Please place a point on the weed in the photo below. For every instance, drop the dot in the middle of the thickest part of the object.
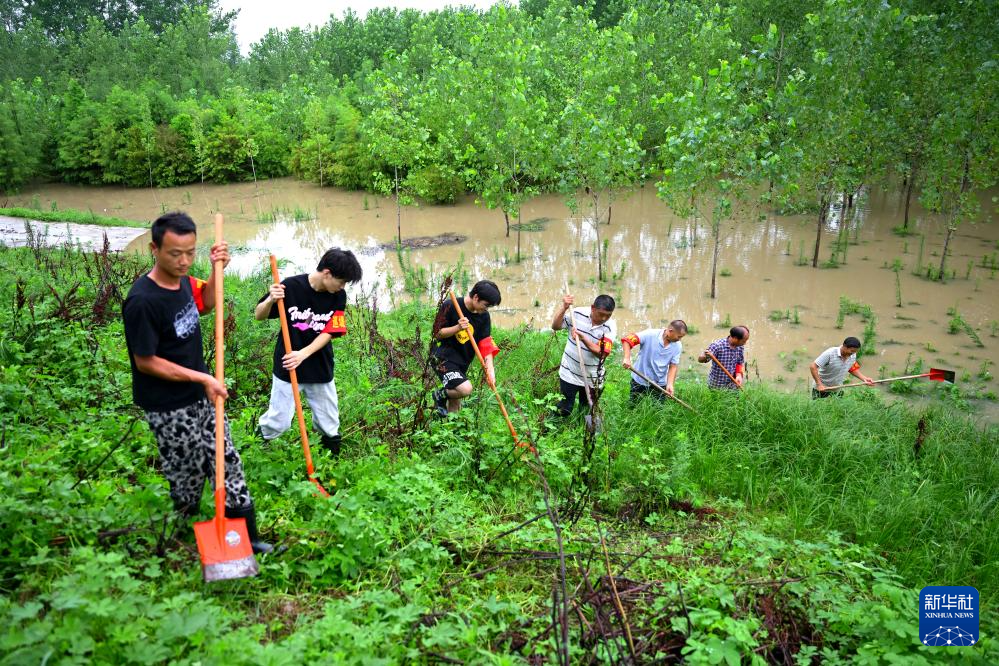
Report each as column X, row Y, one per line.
column 866, row 313
column 724, row 323
column 918, row 269
column 957, row 324
column 983, row 371
column 285, row 213
column 725, row 272
column 802, row 259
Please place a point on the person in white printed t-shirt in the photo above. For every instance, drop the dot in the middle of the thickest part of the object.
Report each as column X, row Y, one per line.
column 595, row 331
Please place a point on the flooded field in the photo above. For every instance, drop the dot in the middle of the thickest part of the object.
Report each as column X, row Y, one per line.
column 658, row 266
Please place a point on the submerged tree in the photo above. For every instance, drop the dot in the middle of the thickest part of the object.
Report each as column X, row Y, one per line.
column 715, row 152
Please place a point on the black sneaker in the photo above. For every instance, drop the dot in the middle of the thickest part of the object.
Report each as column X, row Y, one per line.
column 332, row 444
column 258, row 436
column 440, row 402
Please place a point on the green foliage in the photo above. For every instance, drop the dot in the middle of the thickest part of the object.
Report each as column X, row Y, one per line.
column 832, row 521
column 432, row 184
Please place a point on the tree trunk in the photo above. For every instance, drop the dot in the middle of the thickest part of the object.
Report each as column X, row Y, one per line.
column 519, row 226
column 908, row 199
column 823, row 209
column 609, row 214
column 506, row 218
column 716, row 227
column 844, row 231
column 398, row 210
column 951, row 228
column 320, row 164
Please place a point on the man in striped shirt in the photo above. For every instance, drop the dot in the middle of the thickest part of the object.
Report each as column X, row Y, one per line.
column 595, row 331
column 730, row 354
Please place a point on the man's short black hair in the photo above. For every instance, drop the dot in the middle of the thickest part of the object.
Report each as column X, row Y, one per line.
column 604, row 302
column 487, row 291
column 177, row 222
column 341, row 264
column 852, row 343
column 739, row 332
column 678, row 326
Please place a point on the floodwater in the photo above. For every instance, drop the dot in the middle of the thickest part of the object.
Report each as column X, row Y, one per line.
column 659, row 269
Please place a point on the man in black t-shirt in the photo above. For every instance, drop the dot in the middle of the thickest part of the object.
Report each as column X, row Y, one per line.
column 315, row 303
column 454, row 353
column 169, row 378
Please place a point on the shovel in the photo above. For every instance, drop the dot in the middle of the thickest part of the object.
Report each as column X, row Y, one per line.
column 592, row 422
column 935, row 375
column 724, row 369
column 492, row 384
column 309, row 469
column 223, row 542
column 664, row 391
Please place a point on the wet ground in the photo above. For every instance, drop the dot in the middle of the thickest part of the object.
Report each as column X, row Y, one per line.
column 658, row 266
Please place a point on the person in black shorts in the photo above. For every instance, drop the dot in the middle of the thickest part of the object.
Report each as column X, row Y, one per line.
column 454, row 353
column 170, row 380
column 315, row 303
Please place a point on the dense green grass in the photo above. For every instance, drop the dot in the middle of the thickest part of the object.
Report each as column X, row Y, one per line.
column 827, row 521
column 70, row 215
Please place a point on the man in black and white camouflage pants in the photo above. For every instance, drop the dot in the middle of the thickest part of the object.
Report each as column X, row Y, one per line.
column 170, row 380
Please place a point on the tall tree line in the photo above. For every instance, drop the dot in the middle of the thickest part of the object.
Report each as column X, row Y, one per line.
column 715, row 101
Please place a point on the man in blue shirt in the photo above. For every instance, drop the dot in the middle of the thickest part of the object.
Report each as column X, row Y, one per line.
column 658, row 359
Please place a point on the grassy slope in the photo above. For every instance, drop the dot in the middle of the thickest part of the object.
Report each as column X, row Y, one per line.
column 817, row 522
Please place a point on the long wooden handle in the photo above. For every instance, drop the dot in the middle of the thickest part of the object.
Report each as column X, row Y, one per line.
column 724, row 369
column 489, row 380
column 219, row 270
column 582, row 366
column 664, row 391
column 876, row 381
column 286, row 336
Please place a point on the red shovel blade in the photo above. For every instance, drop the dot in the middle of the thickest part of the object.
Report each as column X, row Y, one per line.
column 322, row 491
column 938, row 375
column 232, row 557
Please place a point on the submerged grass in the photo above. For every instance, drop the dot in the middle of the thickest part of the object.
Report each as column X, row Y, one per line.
column 70, row 215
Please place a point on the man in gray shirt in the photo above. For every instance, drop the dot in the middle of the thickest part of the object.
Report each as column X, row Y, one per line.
column 832, row 366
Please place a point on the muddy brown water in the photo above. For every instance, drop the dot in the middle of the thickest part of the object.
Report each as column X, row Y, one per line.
column 659, row 269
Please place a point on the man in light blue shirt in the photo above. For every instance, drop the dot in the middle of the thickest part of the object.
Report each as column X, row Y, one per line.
column 658, row 360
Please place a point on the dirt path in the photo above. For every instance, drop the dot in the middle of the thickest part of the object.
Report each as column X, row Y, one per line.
column 90, row 236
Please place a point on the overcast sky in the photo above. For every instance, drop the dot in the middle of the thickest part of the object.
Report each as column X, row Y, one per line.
column 256, row 17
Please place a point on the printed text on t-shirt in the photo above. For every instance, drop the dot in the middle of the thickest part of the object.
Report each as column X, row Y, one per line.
column 305, row 319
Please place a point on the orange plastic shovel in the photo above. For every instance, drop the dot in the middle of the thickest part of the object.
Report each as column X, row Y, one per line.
column 294, row 386
column 223, row 542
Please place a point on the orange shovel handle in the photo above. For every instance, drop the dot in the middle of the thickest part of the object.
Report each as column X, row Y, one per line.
column 286, row 336
column 219, row 270
column 489, row 380
column 724, row 369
